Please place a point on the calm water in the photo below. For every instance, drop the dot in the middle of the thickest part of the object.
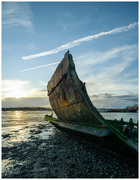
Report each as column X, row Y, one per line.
column 118, row 116
column 18, row 125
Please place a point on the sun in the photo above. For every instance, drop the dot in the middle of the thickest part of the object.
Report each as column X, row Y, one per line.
column 18, row 94
column 17, row 89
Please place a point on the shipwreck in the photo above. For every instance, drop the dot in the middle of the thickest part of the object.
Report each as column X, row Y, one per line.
column 76, row 113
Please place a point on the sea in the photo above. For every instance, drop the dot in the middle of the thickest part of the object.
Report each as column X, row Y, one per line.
column 18, row 126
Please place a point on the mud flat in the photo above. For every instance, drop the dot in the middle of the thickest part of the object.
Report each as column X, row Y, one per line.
column 62, row 155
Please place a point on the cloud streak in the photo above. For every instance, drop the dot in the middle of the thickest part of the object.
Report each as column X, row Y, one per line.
column 39, row 67
column 79, row 41
column 13, row 15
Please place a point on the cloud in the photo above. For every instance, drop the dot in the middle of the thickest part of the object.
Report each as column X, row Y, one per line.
column 20, row 89
column 39, row 67
column 119, row 58
column 18, row 93
column 9, row 47
column 68, row 20
column 79, row 41
column 114, row 100
column 31, row 46
column 107, row 71
column 99, row 58
column 26, row 102
column 17, row 14
column 14, row 88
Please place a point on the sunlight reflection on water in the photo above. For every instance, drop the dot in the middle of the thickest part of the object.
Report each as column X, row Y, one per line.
column 24, row 126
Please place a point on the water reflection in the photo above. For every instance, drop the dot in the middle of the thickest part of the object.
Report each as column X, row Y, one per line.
column 118, row 116
column 24, row 126
column 18, row 114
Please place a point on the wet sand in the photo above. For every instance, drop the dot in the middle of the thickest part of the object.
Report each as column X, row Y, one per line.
column 61, row 155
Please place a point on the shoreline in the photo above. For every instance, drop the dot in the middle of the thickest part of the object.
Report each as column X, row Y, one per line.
column 63, row 155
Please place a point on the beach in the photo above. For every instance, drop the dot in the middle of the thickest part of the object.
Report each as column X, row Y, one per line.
column 36, row 149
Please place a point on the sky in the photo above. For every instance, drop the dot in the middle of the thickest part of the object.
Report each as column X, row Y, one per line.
column 101, row 36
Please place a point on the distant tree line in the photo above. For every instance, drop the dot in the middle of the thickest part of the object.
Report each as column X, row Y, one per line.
column 27, row 109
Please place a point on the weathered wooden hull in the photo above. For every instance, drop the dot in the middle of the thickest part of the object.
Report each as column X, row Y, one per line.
column 68, row 96
column 69, row 100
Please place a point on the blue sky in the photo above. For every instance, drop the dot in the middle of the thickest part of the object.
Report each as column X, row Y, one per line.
column 101, row 36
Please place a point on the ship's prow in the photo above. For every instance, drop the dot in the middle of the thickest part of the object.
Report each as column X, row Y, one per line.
column 74, row 110
column 68, row 96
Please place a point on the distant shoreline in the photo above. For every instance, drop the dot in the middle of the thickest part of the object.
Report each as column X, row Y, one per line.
column 49, row 109
column 27, row 109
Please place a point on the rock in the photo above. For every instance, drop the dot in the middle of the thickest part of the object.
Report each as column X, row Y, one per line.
column 32, row 137
column 36, row 131
column 15, row 131
column 6, row 135
column 72, row 165
column 32, row 130
column 41, row 126
column 42, row 146
column 52, row 157
column 26, row 126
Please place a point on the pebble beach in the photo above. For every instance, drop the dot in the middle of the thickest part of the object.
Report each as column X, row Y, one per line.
column 61, row 155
